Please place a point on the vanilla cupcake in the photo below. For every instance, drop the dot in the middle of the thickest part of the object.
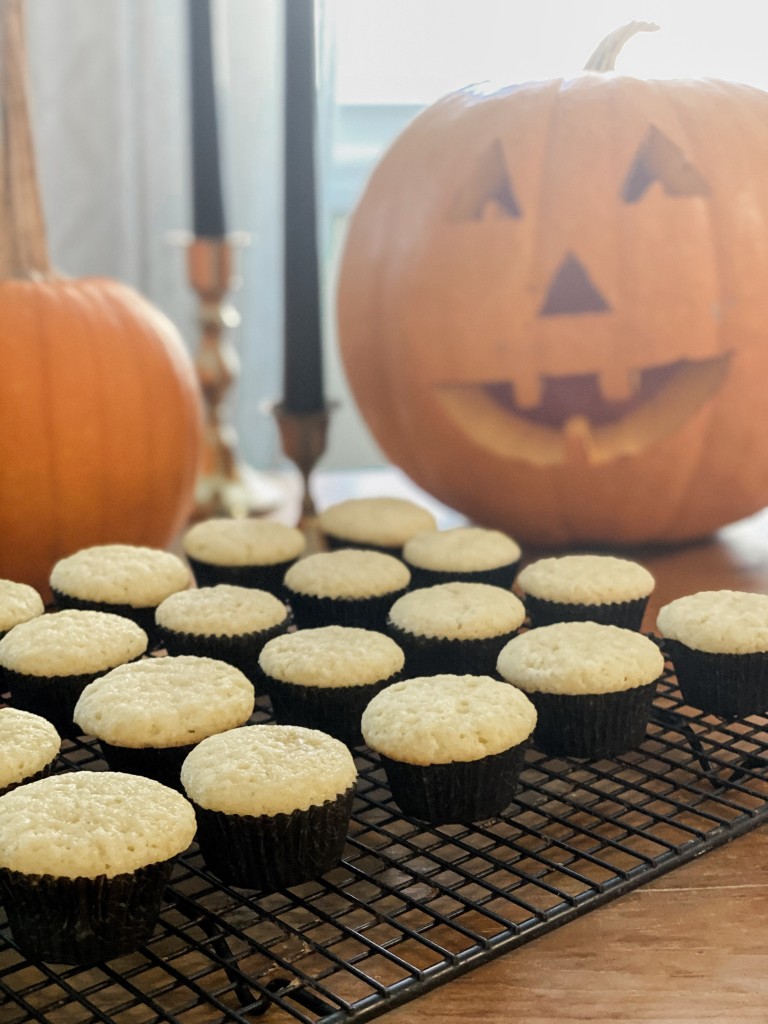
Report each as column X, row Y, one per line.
column 383, row 524
column 18, row 603
column 48, row 660
column 120, row 578
column 226, row 622
column 345, row 588
column 454, row 627
column 452, row 746
column 470, row 554
column 323, row 678
column 148, row 716
column 84, row 860
column 273, row 804
column 29, row 746
column 596, row 588
column 593, row 685
column 246, row 552
column 717, row 641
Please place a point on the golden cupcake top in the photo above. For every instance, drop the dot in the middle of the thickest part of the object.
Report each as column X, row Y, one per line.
column 383, row 522
column 331, row 656
column 586, row 579
column 27, row 744
column 444, row 718
column 459, row 611
column 267, row 769
column 221, row 610
column 347, row 573
column 461, row 549
column 85, row 824
column 243, row 541
column 71, row 643
column 717, row 621
column 165, row 702
column 579, row 658
column 18, row 603
column 127, row 574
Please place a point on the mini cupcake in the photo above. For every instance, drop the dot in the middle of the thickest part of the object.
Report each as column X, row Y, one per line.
column 18, row 603
column 593, row 685
column 225, row 622
column 454, row 627
column 383, row 524
column 119, row 578
column 578, row 588
column 323, row 678
column 717, row 641
column 273, row 804
column 345, row 588
column 470, row 554
column 29, row 746
column 48, row 661
column 148, row 716
column 452, row 746
column 246, row 552
column 84, row 860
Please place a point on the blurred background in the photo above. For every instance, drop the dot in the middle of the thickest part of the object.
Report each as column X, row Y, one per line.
column 110, row 94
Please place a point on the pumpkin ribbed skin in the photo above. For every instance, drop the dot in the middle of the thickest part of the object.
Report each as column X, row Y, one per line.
column 658, row 191
column 100, row 423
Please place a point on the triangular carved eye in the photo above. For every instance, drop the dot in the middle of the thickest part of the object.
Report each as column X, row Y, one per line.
column 660, row 159
column 488, row 191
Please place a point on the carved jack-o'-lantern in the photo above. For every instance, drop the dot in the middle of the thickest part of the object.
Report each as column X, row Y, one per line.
column 553, row 305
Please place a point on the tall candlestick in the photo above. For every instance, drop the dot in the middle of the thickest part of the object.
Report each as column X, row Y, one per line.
column 303, row 368
column 208, row 203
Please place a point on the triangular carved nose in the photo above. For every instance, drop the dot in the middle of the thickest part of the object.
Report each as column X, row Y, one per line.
column 571, row 291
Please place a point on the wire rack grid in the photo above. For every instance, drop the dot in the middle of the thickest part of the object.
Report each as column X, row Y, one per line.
column 412, row 906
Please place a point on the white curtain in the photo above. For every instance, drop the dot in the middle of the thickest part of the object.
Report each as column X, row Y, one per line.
column 111, row 120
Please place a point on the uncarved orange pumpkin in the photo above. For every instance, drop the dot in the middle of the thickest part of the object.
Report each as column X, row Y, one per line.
column 100, row 412
column 553, row 305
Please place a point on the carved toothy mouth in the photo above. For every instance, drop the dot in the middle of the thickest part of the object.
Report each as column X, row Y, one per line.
column 589, row 417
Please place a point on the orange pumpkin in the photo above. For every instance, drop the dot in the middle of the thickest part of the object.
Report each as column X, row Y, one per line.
column 553, row 307
column 100, row 412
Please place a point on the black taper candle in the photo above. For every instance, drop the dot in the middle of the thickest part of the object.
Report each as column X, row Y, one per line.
column 208, row 203
column 302, row 357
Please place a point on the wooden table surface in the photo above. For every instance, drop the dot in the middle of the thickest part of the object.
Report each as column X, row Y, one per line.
column 689, row 947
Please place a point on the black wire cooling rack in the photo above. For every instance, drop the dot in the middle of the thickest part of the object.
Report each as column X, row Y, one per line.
column 411, row 906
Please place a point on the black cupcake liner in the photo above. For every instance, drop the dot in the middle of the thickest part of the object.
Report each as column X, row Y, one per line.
column 51, row 697
column 256, row 577
column 335, row 710
column 271, row 852
column 628, row 614
column 592, row 725
column 366, row 612
column 83, row 920
column 163, row 764
column 433, row 656
column 501, row 576
column 459, row 791
column 242, row 650
column 144, row 617
column 727, row 685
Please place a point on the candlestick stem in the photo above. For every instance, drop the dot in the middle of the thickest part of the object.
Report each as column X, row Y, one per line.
column 303, row 436
column 225, row 486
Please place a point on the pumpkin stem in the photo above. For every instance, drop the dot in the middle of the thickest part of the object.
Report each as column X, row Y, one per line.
column 604, row 57
column 23, row 246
